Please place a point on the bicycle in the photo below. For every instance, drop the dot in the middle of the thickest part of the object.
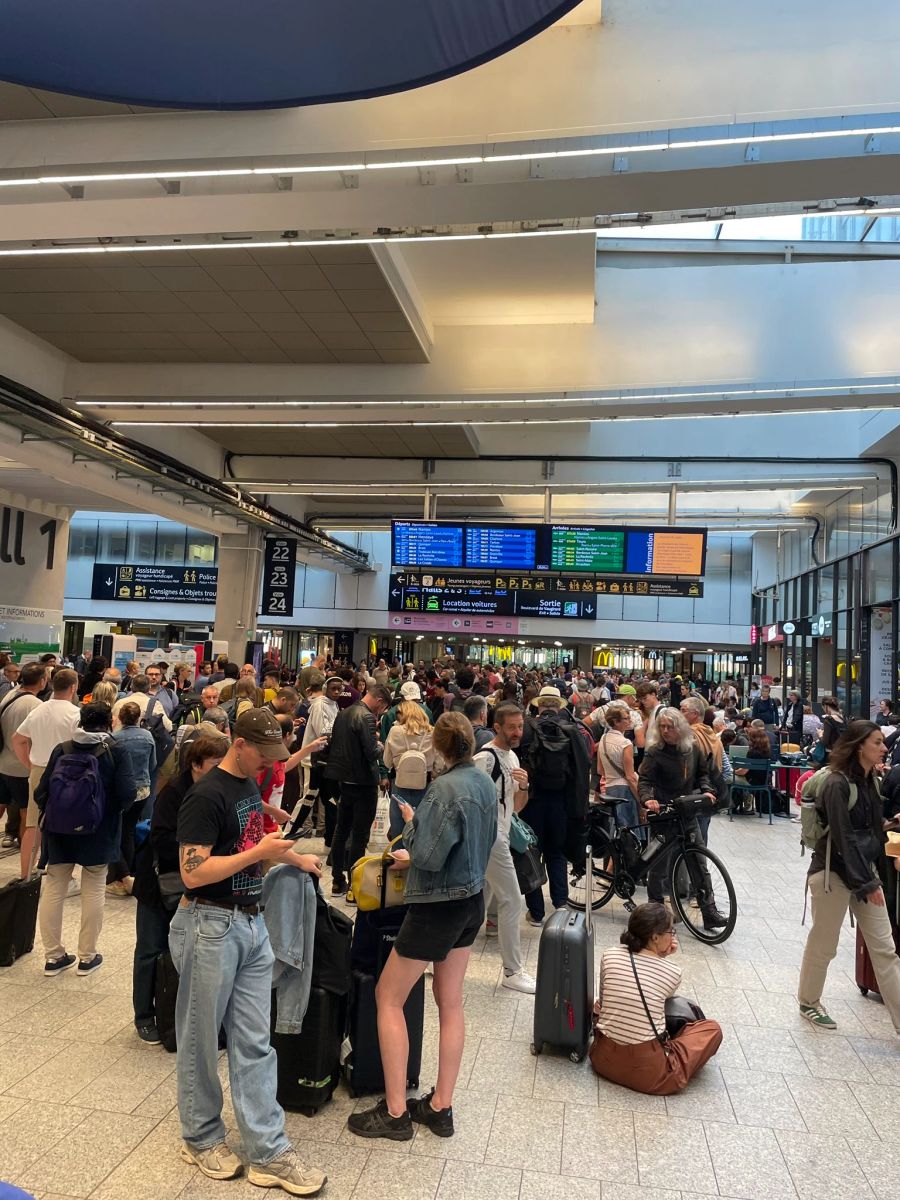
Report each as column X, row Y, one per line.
column 621, row 862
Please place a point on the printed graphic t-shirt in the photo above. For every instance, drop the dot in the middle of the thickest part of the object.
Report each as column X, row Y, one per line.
column 224, row 812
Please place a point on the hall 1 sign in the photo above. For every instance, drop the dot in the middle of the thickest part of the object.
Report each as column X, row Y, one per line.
column 278, row 577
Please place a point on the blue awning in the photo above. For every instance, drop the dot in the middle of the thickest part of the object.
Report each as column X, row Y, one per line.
column 232, row 54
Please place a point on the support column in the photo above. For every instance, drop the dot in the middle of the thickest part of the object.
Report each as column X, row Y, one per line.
column 237, row 594
column 34, row 542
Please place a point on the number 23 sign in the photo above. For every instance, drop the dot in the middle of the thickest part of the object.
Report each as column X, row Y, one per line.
column 278, row 577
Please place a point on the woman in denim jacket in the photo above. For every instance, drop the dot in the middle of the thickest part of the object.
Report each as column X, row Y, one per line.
column 449, row 837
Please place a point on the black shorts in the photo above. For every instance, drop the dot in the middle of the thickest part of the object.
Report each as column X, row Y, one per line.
column 430, row 931
column 14, row 791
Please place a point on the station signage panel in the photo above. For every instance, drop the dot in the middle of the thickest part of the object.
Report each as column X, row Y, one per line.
column 591, row 549
column 154, row 584
column 524, row 594
column 772, row 635
column 821, row 625
column 279, row 571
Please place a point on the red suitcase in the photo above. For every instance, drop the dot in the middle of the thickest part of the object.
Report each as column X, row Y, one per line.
column 865, row 975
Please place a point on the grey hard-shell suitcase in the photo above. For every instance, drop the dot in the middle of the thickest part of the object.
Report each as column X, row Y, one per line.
column 564, row 999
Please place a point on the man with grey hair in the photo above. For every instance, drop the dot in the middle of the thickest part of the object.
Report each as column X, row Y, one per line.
column 113, row 675
column 214, row 716
column 693, row 709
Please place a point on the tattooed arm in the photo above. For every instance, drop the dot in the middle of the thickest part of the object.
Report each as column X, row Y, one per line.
column 199, row 866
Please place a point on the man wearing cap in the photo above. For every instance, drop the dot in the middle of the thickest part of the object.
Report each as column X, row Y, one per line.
column 408, row 691
column 220, row 948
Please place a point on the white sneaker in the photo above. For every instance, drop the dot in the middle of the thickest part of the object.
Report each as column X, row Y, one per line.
column 289, row 1173
column 490, row 928
column 218, row 1162
column 520, row 982
column 74, row 887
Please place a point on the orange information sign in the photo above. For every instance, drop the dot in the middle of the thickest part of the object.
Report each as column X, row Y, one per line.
column 677, row 553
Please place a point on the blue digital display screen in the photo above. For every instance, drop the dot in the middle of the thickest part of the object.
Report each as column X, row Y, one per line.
column 427, row 544
column 639, row 552
column 502, row 547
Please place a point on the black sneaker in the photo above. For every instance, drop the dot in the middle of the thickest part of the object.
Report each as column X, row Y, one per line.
column 338, row 889
column 58, row 965
column 147, row 1032
column 377, row 1122
column 87, row 965
column 438, row 1120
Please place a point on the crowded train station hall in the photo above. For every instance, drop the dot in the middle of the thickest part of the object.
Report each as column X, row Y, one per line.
column 450, row 552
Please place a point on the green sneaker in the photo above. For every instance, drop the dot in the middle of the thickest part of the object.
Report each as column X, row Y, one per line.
column 817, row 1016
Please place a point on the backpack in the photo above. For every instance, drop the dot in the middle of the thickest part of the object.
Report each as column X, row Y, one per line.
column 76, row 797
column 812, row 827
column 8, row 702
column 411, row 769
column 163, row 739
column 549, row 755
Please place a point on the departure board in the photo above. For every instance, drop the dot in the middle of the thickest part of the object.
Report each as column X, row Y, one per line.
column 586, row 548
column 427, row 544
column 501, row 547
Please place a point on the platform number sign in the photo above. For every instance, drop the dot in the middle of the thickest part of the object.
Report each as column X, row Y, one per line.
column 278, row 577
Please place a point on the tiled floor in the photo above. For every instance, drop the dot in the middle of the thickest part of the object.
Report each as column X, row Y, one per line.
column 783, row 1112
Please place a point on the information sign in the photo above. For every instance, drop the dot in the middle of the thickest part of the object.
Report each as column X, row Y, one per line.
column 279, row 570
column 154, row 584
column 586, row 548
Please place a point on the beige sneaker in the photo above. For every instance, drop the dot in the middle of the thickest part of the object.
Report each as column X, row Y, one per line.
column 118, row 889
column 288, row 1172
column 218, row 1162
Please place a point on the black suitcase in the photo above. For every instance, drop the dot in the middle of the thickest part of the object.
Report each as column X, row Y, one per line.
column 164, row 997
column 309, row 1063
column 564, row 999
column 18, row 918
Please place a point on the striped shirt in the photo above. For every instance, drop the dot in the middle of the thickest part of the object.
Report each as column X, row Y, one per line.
column 622, row 1016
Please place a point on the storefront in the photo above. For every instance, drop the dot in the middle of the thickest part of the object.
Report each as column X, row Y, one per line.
column 836, row 630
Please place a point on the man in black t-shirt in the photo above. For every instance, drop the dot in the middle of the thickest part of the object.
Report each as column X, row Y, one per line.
column 221, row 951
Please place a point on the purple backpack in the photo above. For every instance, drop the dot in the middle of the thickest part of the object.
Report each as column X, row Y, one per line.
column 76, row 798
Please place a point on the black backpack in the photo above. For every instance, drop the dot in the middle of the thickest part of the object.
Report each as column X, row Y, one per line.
column 153, row 722
column 550, row 754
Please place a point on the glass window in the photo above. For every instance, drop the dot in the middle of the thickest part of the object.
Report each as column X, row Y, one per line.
column 141, row 542
column 201, row 547
column 170, row 541
column 113, row 542
column 880, row 573
column 826, row 590
column 843, row 584
column 83, row 539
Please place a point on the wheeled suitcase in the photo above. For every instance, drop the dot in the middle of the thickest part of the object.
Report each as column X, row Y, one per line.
column 309, row 1063
column 564, row 999
column 865, row 973
column 18, row 918
column 373, row 939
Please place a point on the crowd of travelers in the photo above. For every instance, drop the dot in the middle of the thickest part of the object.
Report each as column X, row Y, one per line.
column 195, row 777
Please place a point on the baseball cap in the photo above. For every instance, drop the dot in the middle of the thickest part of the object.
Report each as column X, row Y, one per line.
column 259, row 727
column 627, row 690
column 411, row 691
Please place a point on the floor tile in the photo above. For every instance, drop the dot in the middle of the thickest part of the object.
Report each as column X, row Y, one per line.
column 104, row 1140
column 880, row 1058
column 628, row 1191
column 59, row 1078
column 496, row 1069
column 26, row 1135
column 829, row 1106
column 705, row 1099
column 122, row 1087
column 598, row 1143
column 557, row 1078
column 878, row 1164
column 526, row 1132
column 823, row 1167
column 829, row 1056
column 154, row 1170
column 748, row 1163
column 770, row 1050
column 881, row 1104
column 20, row 1057
column 381, row 1177
column 727, row 1004
column 663, row 1160
column 460, row 1182
column 762, row 1099
column 537, row 1186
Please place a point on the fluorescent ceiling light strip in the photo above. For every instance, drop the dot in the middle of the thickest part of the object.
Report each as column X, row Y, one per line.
column 489, row 401
column 587, row 419
column 467, row 160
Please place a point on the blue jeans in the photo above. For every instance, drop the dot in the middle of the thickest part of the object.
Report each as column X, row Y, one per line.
column 547, row 817
column 224, row 962
column 412, row 797
column 626, row 814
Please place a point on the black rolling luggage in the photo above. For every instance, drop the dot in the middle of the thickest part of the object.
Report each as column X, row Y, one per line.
column 373, row 939
column 564, row 999
column 309, row 1063
column 18, row 918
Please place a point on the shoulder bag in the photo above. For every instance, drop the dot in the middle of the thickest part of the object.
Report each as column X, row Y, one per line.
column 679, row 1010
column 375, row 884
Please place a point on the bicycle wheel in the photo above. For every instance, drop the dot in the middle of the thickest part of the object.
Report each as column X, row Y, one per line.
column 605, row 860
column 710, row 885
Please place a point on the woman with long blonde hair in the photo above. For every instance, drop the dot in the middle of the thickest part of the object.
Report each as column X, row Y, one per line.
column 409, row 757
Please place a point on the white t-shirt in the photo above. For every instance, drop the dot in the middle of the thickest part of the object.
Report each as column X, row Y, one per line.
column 47, row 726
column 505, row 784
column 622, row 1014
